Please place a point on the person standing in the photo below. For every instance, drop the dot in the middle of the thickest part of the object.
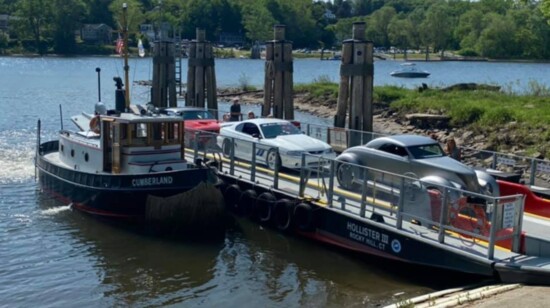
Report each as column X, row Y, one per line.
column 452, row 149
column 235, row 110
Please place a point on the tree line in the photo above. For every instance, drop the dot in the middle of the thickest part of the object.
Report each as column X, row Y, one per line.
column 486, row 28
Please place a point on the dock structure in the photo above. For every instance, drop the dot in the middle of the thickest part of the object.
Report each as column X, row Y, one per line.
column 356, row 84
column 412, row 222
column 278, row 86
column 201, row 75
column 163, row 91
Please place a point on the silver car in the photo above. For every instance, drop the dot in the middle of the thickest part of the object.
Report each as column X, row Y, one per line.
column 414, row 156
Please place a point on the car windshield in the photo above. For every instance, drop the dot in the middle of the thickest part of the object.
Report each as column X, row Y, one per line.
column 197, row 115
column 426, row 151
column 272, row 130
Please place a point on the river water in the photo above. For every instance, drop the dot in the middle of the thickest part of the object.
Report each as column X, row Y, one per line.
column 54, row 256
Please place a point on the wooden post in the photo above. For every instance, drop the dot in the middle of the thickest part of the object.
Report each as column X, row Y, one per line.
column 278, row 86
column 288, row 82
column 343, row 93
column 268, row 81
column 201, row 75
column 211, row 87
column 190, row 95
column 369, row 89
column 356, row 85
column 172, row 93
column 357, row 90
column 199, row 69
column 164, row 83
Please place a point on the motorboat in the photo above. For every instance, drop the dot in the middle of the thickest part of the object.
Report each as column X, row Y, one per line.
column 409, row 70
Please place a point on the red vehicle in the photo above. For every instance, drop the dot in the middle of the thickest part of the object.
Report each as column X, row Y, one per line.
column 197, row 120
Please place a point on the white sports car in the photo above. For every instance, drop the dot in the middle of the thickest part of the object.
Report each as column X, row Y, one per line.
column 269, row 135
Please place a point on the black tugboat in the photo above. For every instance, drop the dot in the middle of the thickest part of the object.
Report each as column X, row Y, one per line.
column 130, row 164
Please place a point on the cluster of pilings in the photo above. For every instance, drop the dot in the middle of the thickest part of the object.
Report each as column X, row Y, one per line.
column 163, row 91
column 278, row 86
column 355, row 97
column 201, row 75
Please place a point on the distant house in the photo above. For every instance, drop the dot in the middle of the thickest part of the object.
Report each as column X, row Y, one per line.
column 96, row 34
column 231, row 39
column 148, row 30
column 329, row 15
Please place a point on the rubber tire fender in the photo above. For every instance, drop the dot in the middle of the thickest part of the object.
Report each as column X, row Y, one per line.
column 245, row 206
column 283, row 213
column 303, row 216
column 231, row 195
column 264, row 206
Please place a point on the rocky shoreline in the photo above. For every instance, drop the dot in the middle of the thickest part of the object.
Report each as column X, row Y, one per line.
column 385, row 121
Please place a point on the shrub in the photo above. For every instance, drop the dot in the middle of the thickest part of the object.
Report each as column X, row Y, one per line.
column 389, row 93
column 497, row 116
column 468, row 52
column 465, row 114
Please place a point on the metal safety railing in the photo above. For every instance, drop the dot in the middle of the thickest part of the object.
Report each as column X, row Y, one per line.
column 367, row 193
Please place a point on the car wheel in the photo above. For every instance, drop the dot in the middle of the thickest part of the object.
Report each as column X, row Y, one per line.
column 226, row 148
column 346, row 174
column 272, row 159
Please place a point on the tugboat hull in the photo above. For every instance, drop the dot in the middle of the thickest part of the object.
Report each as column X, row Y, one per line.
column 116, row 196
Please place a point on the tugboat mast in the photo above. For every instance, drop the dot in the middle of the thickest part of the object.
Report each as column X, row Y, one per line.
column 125, row 53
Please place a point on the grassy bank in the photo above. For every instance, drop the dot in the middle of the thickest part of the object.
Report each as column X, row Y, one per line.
column 506, row 121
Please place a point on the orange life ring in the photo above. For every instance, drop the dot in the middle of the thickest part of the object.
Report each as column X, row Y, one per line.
column 94, row 125
column 469, row 217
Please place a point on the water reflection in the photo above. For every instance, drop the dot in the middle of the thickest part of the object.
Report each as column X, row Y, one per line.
column 100, row 262
column 134, row 268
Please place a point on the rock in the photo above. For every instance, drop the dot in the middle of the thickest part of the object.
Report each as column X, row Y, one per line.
column 471, row 87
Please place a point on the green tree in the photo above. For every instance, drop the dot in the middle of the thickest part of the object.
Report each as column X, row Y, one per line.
column 99, row 12
column 343, row 28
column 67, row 18
column 257, row 21
column 134, row 14
column 532, row 33
column 469, row 28
column 497, row 39
column 400, row 32
column 297, row 16
column 377, row 25
column 545, row 9
column 34, row 17
column 437, row 26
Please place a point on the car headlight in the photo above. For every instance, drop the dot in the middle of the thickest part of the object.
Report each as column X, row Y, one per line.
column 294, row 153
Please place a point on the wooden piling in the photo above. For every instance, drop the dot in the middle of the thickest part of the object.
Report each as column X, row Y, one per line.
column 210, row 76
column 199, row 69
column 201, row 76
column 164, row 76
column 269, row 76
column 190, row 95
column 278, row 87
column 356, row 85
column 343, row 93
